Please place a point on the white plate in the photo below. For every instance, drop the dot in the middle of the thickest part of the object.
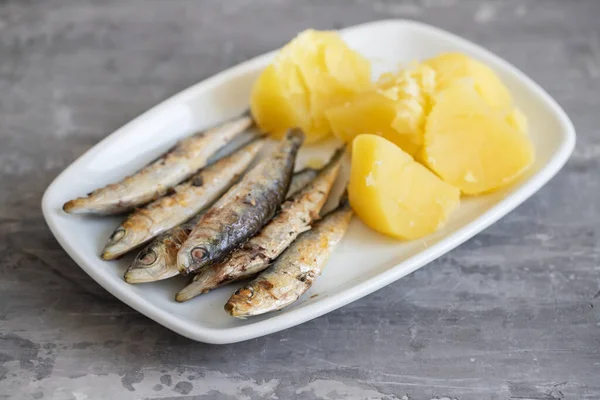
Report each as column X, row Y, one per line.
column 365, row 261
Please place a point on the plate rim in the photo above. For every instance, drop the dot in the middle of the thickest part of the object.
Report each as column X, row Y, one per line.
column 345, row 296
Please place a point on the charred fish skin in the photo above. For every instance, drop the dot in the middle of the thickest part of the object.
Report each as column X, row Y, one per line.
column 296, row 216
column 158, row 260
column 248, row 206
column 187, row 200
column 294, row 272
column 154, row 180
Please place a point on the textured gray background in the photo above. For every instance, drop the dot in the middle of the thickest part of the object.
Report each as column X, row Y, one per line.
column 513, row 313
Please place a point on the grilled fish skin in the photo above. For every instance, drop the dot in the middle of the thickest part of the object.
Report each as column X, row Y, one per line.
column 296, row 216
column 245, row 208
column 187, row 200
column 294, row 272
column 158, row 260
column 154, row 180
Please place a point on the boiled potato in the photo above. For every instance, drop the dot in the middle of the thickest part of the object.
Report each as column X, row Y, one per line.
column 472, row 146
column 518, row 120
column 312, row 73
column 453, row 67
column 395, row 109
column 395, row 195
column 284, row 99
column 368, row 113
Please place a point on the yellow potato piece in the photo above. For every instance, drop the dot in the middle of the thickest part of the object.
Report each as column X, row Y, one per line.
column 472, row 146
column 276, row 105
column 395, row 109
column 369, row 113
column 395, row 195
column 312, row 73
column 518, row 120
column 452, row 67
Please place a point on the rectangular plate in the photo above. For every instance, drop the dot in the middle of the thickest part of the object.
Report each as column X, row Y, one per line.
column 365, row 261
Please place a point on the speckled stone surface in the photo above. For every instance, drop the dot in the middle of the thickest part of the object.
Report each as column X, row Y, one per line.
column 513, row 313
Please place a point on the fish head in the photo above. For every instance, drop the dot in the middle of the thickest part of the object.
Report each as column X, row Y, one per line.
column 124, row 239
column 253, row 299
column 154, row 263
column 192, row 258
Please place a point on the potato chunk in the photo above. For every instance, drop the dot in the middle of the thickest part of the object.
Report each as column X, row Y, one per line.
column 395, row 109
column 312, row 73
column 395, row 195
column 453, row 67
column 472, row 146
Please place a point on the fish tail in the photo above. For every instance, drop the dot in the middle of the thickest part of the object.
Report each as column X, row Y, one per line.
column 246, row 113
column 295, row 135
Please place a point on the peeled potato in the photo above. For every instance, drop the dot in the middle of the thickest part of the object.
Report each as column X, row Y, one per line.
column 395, row 195
column 312, row 73
column 452, row 67
column 395, row 109
column 518, row 120
column 368, row 113
column 472, row 146
column 272, row 97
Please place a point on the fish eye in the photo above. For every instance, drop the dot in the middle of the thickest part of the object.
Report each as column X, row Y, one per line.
column 198, row 181
column 199, row 253
column 118, row 234
column 306, row 276
column 147, row 257
column 245, row 292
